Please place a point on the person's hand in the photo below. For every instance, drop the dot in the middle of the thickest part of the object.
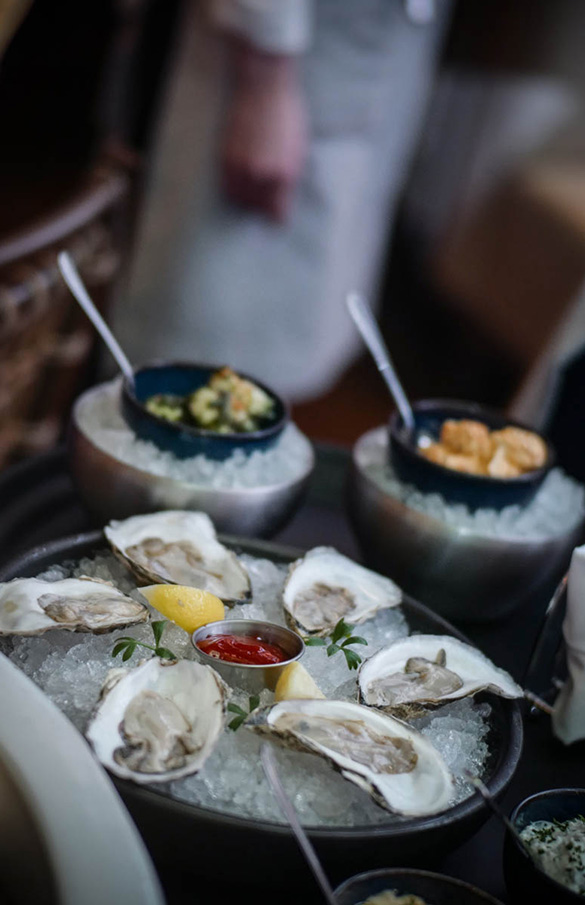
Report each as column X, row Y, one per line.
column 265, row 139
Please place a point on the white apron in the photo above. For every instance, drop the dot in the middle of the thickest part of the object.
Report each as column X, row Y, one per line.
column 217, row 284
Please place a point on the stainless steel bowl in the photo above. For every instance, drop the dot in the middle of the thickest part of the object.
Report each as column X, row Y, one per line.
column 252, row 677
column 432, row 887
column 110, row 488
column 465, row 576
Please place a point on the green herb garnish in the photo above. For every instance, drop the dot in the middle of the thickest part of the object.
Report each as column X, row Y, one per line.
column 129, row 645
column 341, row 630
column 253, row 702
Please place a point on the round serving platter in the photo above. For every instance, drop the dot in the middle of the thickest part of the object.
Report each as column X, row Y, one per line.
column 215, row 844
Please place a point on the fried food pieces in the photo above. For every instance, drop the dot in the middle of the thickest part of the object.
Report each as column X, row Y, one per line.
column 469, row 446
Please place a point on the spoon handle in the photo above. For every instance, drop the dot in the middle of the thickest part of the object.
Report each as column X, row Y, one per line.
column 271, row 771
column 366, row 324
column 492, row 804
column 71, row 276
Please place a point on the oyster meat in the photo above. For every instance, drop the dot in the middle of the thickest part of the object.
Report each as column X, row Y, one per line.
column 179, row 547
column 324, row 586
column 429, row 670
column 30, row 606
column 394, row 763
column 158, row 722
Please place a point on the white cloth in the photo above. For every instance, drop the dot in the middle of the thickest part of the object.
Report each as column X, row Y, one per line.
column 536, row 398
column 217, row 284
column 277, row 26
column 568, row 719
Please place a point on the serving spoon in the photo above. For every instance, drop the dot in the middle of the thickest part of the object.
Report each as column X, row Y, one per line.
column 174, row 378
column 494, row 806
column 75, row 283
column 271, row 771
column 366, row 323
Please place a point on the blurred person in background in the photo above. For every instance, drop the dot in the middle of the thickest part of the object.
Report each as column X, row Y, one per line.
column 281, row 151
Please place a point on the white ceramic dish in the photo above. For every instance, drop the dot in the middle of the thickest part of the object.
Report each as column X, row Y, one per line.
column 93, row 848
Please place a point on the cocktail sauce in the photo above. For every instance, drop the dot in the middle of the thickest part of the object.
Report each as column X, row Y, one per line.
column 247, row 649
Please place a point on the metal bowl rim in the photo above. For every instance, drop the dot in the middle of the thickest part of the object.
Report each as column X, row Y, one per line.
column 441, row 879
column 261, row 624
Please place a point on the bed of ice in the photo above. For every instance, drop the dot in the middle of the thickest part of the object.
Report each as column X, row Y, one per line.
column 100, row 419
column 557, row 507
column 71, row 668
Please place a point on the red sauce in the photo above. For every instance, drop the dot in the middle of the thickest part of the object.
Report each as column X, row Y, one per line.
column 242, row 649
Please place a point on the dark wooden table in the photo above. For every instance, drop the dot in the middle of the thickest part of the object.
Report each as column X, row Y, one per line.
column 38, row 503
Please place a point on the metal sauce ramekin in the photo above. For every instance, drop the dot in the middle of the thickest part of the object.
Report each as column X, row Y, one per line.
column 250, row 677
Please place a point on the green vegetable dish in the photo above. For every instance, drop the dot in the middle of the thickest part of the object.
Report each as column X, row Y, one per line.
column 227, row 404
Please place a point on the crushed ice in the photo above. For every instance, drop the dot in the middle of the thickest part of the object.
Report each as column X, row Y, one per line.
column 557, row 507
column 100, row 418
column 71, row 668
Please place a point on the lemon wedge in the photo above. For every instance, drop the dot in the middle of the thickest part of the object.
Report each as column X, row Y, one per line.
column 190, row 608
column 295, row 682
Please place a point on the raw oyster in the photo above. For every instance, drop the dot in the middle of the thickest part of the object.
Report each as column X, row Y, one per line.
column 179, row 547
column 324, row 586
column 397, row 765
column 428, row 670
column 30, row 606
column 159, row 721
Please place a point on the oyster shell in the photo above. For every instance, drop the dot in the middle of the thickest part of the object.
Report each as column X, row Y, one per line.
column 394, row 763
column 429, row 670
column 30, row 606
column 158, row 722
column 324, row 586
column 179, row 547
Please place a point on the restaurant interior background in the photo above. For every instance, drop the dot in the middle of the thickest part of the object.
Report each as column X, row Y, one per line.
column 485, row 264
column 483, row 284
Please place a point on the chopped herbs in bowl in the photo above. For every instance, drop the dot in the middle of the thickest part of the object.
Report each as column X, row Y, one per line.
column 558, row 847
column 545, row 860
column 190, row 409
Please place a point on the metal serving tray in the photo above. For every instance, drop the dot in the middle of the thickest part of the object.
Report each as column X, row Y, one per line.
column 211, row 843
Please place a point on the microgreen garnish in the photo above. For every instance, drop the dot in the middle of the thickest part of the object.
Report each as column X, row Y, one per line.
column 129, row 645
column 341, row 630
column 253, row 702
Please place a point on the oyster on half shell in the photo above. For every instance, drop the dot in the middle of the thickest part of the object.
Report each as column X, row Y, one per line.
column 158, row 722
column 394, row 763
column 427, row 670
column 179, row 547
column 324, row 586
column 31, row 606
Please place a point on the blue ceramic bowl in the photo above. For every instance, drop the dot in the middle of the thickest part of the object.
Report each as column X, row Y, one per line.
column 476, row 491
column 525, row 881
column 433, row 888
column 184, row 441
